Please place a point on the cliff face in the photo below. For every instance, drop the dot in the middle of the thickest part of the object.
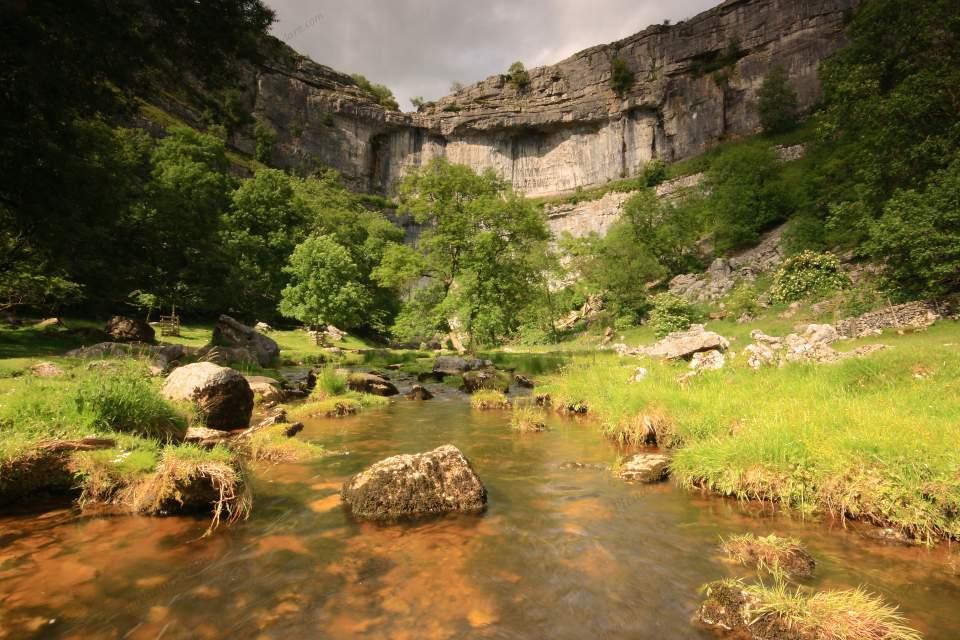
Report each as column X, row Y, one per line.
column 695, row 83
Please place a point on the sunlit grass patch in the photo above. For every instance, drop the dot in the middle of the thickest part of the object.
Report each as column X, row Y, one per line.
column 526, row 418
column 274, row 445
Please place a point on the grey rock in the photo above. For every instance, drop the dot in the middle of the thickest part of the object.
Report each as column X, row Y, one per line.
column 230, row 333
column 124, row 329
column 645, row 467
column 683, row 344
column 419, row 392
column 222, row 396
column 370, row 383
column 456, row 365
column 435, row 482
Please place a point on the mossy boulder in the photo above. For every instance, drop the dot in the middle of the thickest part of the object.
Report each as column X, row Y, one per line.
column 405, row 486
column 371, row 383
column 486, row 380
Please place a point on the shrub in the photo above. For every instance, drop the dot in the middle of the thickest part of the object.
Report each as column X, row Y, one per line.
column 621, row 76
column 518, row 76
column 744, row 299
column 654, row 172
column 671, row 313
column 777, row 102
column 806, row 274
column 266, row 138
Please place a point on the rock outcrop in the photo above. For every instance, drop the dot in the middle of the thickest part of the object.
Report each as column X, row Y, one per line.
column 230, row 333
column 911, row 315
column 435, row 482
column 694, row 84
column 222, row 396
column 456, row 366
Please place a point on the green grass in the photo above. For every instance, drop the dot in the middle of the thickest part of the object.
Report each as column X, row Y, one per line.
column 348, row 403
column 486, row 400
column 330, row 382
column 873, row 439
column 82, row 403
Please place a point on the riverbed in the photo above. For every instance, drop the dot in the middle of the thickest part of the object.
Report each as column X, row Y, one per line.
column 563, row 551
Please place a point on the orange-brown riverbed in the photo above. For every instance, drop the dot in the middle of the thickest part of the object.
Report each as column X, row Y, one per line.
column 560, row 553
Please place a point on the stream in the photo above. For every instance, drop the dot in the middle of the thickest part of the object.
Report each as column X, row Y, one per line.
column 560, row 553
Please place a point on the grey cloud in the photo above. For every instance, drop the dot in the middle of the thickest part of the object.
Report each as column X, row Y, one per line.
column 418, row 47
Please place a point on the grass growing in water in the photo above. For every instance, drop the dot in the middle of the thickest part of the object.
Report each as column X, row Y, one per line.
column 273, row 445
column 527, row 419
column 772, row 552
column 487, row 400
column 863, row 438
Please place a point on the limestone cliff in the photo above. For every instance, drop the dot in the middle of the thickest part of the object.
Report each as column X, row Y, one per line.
column 694, row 83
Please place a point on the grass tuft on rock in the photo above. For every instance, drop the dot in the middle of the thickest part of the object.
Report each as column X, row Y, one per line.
column 772, row 552
column 347, row 404
column 487, row 400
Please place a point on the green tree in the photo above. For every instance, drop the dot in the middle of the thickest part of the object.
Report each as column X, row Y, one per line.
column 746, row 195
column 892, row 117
column 481, row 243
column 777, row 102
column 265, row 221
column 668, row 229
column 918, row 237
column 325, row 285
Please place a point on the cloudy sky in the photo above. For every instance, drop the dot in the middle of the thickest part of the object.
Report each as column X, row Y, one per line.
column 418, row 47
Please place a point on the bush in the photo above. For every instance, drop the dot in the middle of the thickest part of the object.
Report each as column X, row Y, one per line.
column 266, row 139
column 671, row 313
column 744, row 299
column 518, row 76
column 806, row 274
column 621, row 76
column 777, row 103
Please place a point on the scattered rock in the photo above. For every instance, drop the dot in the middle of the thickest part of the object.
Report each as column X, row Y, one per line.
column 50, row 323
column 125, row 329
column 712, row 360
column 419, row 392
column 222, row 396
column 523, row 381
column 456, row 366
column 370, row 383
column 639, row 375
column 583, row 466
column 207, row 438
column 225, row 356
column 607, row 336
column 163, row 356
column 46, row 370
column 299, row 379
column 683, row 344
column 590, row 308
column 230, row 333
column 728, row 606
column 263, row 327
column 772, row 552
column 645, row 467
column 791, row 311
column 435, row 482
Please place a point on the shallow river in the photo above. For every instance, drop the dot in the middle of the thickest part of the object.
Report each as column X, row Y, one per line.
column 560, row 553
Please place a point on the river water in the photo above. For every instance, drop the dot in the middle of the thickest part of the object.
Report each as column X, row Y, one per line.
column 560, row 552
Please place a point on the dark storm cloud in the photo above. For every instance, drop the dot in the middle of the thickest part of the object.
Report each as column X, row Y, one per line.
column 418, row 47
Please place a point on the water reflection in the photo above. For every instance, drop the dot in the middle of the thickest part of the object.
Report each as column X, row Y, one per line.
column 560, row 553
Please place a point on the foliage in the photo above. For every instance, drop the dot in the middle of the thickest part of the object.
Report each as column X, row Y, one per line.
column 456, row 86
column 381, row 93
column 486, row 400
column 777, row 102
column 744, row 300
column 325, row 285
column 418, row 102
column 807, row 274
column 621, row 75
column 480, row 244
column 266, row 139
column 264, row 223
column 746, row 195
column 892, row 119
column 671, row 313
column 329, row 383
column 517, row 74
column 918, row 237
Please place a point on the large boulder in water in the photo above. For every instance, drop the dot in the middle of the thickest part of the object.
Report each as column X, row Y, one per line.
column 457, row 366
column 222, row 396
column 124, row 329
column 230, row 333
column 435, row 482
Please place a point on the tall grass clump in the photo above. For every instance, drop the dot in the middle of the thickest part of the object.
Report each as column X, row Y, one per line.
column 330, row 383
